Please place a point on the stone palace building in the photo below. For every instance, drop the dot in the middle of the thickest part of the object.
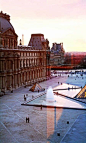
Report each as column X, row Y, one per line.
column 21, row 65
column 57, row 54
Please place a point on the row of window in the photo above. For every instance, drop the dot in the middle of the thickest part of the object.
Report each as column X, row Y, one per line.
column 30, row 54
column 6, row 65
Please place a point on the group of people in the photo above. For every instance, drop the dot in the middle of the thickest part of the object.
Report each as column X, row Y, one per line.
column 27, row 119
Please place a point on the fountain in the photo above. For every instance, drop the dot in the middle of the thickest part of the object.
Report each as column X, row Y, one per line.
column 50, row 95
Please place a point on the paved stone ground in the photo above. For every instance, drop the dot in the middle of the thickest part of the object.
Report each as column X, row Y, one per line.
column 77, row 133
column 44, row 124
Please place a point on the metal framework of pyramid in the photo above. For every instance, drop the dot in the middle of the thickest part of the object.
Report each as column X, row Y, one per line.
column 82, row 93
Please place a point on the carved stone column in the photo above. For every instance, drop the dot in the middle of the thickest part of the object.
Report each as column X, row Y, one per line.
column 2, row 42
column 1, row 45
column 8, row 43
column 13, row 43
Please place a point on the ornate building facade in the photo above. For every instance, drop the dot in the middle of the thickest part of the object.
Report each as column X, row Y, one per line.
column 20, row 65
column 57, row 54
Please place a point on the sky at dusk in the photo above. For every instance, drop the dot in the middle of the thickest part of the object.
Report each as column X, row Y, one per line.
column 59, row 20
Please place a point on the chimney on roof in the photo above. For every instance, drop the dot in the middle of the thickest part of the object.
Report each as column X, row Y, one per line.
column 22, row 39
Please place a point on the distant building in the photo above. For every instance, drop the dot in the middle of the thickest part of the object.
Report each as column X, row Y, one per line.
column 76, row 59
column 20, row 65
column 57, row 54
column 67, row 59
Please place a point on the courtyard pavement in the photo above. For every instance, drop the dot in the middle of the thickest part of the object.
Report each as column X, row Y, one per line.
column 49, row 125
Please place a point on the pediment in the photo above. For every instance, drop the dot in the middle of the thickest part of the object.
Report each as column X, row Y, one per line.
column 10, row 32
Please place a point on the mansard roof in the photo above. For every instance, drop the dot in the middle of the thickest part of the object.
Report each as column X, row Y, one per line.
column 5, row 24
column 38, row 34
